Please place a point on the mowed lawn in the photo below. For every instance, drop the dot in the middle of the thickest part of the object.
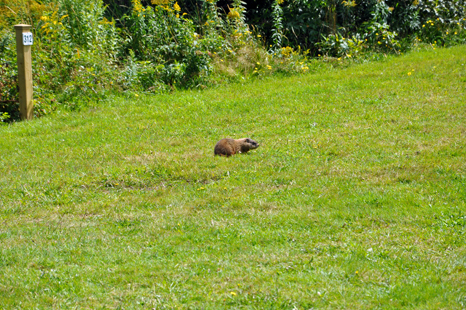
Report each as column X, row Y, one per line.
column 356, row 198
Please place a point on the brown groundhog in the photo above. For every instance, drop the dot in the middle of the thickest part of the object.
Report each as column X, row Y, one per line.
column 228, row 147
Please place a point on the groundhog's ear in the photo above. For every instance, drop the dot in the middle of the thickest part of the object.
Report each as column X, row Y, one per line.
column 248, row 140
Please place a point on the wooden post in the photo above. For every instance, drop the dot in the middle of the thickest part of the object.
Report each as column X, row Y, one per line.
column 23, row 52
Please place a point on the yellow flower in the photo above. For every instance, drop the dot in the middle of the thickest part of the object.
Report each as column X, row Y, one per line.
column 160, row 2
column 137, row 6
column 176, row 7
column 44, row 18
column 233, row 293
column 350, row 3
column 409, row 73
column 233, row 14
column 259, row 36
column 269, row 67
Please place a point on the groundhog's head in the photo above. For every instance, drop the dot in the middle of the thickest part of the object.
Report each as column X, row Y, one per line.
column 248, row 144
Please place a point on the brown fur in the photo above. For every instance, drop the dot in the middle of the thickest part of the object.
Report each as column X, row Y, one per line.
column 228, row 147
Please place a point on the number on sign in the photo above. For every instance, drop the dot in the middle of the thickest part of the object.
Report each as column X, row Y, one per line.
column 27, row 38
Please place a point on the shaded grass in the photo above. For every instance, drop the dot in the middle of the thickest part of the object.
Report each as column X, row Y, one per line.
column 355, row 199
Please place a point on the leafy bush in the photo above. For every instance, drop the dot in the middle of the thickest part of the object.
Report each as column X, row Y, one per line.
column 79, row 34
column 318, row 25
column 69, row 67
column 337, row 45
column 9, row 104
column 167, row 42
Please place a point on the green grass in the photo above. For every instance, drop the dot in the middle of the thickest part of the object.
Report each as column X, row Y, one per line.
column 356, row 198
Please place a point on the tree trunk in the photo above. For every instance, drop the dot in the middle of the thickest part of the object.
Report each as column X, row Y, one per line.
column 332, row 16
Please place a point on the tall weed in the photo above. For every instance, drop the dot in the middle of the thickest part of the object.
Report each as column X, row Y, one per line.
column 9, row 106
column 162, row 39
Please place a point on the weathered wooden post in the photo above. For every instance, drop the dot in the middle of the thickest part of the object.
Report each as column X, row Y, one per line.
column 23, row 52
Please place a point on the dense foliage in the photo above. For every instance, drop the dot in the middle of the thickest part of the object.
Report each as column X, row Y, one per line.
column 309, row 23
column 86, row 49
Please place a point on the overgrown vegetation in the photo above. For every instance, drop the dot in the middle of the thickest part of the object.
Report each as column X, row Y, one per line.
column 356, row 198
column 87, row 49
column 341, row 26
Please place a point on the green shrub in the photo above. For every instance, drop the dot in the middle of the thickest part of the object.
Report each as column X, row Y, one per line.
column 338, row 46
column 9, row 101
column 374, row 34
column 315, row 24
column 75, row 58
column 167, row 45
column 438, row 33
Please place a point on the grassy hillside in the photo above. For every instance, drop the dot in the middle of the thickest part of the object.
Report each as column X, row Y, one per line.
column 356, row 198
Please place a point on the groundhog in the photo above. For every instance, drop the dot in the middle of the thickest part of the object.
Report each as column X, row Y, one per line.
column 228, row 147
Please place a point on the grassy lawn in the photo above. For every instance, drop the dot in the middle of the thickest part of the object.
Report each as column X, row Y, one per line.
column 356, row 198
